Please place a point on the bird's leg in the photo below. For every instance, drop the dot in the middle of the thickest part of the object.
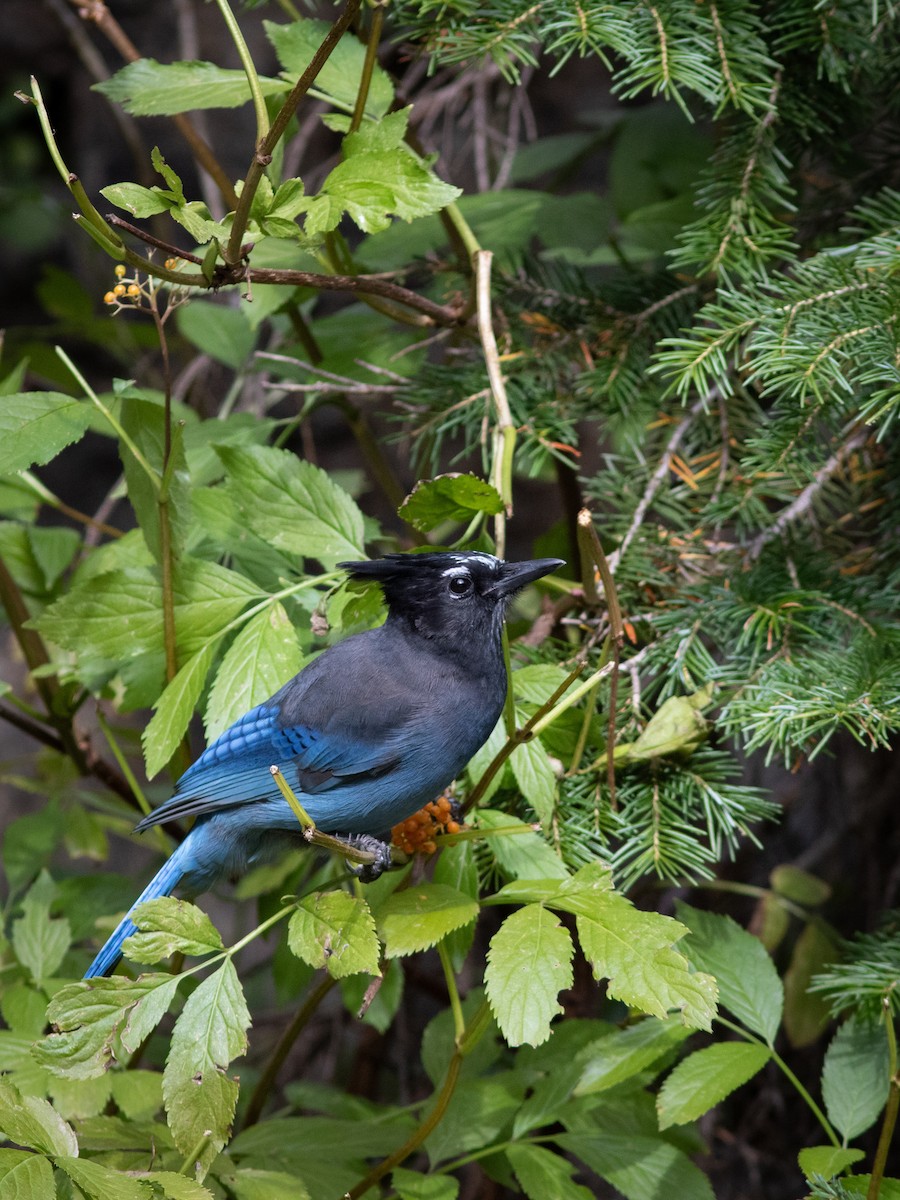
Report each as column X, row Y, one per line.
column 380, row 855
column 366, row 856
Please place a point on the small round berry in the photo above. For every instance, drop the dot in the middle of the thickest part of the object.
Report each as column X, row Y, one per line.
column 452, row 827
column 109, row 298
column 119, row 289
column 133, row 289
column 119, row 270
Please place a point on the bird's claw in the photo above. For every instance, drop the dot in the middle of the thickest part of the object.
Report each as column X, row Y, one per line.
column 383, row 857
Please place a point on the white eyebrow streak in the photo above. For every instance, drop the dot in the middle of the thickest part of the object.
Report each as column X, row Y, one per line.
column 487, row 560
column 456, row 571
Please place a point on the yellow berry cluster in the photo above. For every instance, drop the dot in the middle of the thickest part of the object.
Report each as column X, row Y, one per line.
column 416, row 834
column 126, row 291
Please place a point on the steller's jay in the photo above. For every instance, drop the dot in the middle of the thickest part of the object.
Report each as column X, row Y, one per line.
column 368, row 732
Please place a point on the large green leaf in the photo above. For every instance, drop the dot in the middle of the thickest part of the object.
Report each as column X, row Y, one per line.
column 543, row 1174
column 263, row 656
column 627, row 1052
column 419, row 917
column 521, row 855
column 118, row 614
column 827, row 1161
column 35, row 426
column 147, row 88
column 705, row 1077
column 633, row 950
column 338, row 81
column 639, row 1166
column 449, row 498
column 222, row 333
column 101, row 1183
column 749, row 986
column 33, row 1122
column 39, row 940
column 168, row 926
column 87, row 1016
column 174, row 709
column 856, row 1076
column 536, row 779
column 293, row 505
column 337, row 931
column 200, row 1096
column 25, row 1176
column 529, row 963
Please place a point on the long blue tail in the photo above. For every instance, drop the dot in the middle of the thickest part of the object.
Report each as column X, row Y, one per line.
column 163, row 883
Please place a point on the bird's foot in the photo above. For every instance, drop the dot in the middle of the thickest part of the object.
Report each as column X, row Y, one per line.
column 383, row 856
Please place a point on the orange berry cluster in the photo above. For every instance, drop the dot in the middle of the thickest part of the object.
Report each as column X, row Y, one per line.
column 416, row 834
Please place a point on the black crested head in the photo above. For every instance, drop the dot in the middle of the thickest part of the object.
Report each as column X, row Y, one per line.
column 457, row 595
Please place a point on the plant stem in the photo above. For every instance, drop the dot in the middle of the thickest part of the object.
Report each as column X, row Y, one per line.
column 504, row 430
column 415, row 1140
column 459, row 1023
column 259, row 103
column 365, row 79
column 301, row 1019
column 266, row 145
column 891, row 1109
column 788, row 1073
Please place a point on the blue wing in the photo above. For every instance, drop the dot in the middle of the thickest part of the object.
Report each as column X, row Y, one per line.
column 235, row 768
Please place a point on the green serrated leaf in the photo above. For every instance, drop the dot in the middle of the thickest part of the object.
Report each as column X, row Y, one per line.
column 627, row 1052
column 173, row 712
column 254, row 1183
column 39, row 940
column 410, row 1185
column 827, row 1161
column 200, row 1097
column 101, row 1183
column 542, row 1174
column 449, row 498
column 147, row 88
column 337, row 931
column 639, row 1166
column 706, row 1077
column 338, row 81
column 139, row 201
column 168, row 926
column 529, row 963
column 373, row 187
column 522, row 855
column 35, row 426
column 222, row 333
column 633, row 950
column 749, row 986
column 87, row 1016
column 855, row 1076
column 33, row 1122
column 536, row 778
column 419, row 917
column 25, row 1176
column 120, row 612
column 263, row 656
column 178, row 1187
column 137, row 1094
column 294, row 505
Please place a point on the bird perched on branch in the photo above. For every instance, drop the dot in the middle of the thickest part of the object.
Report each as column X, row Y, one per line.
column 367, row 733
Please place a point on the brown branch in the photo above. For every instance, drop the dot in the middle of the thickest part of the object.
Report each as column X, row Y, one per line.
column 171, row 250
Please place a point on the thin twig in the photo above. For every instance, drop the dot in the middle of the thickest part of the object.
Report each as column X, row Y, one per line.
column 504, row 430
column 804, row 501
column 657, row 478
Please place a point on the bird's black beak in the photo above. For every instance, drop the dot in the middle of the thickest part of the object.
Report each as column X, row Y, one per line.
column 514, row 576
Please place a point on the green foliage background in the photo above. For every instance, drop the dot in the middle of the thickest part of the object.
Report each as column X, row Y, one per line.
column 693, row 367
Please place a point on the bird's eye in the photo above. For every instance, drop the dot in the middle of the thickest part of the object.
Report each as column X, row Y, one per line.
column 460, row 585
